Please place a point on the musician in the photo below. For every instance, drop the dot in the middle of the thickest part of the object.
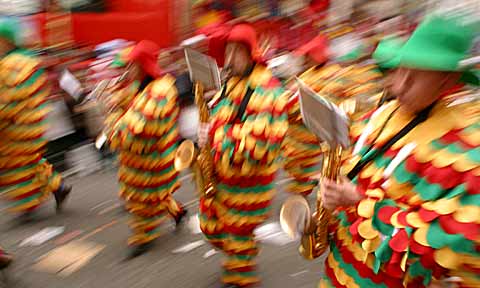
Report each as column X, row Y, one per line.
column 27, row 180
column 336, row 80
column 301, row 148
column 146, row 137
column 410, row 216
column 246, row 129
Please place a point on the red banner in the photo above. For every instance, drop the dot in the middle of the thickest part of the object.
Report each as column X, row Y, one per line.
column 126, row 21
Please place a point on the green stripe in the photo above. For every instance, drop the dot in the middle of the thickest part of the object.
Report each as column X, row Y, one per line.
column 342, row 215
column 28, row 199
column 251, row 189
column 452, row 148
column 241, row 238
column 31, row 80
column 417, row 270
column 428, row 191
column 473, row 199
column 472, row 128
column 438, row 238
column 242, row 274
column 242, row 257
column 474, row 155
column 459, row 190
column 384, row 228
column 403, row 176
column 351, row 271
column 18, row 170
column 17, row 186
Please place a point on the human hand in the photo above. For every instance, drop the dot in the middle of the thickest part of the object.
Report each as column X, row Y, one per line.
column 341, row 194
column 202, row 133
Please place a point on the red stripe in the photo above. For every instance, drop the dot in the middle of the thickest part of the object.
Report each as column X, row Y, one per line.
column 427, row 215
column 28, row 194
column 399, row 242
column 385, row 214
column 453, row 137
column 245, row 182
column 418, row 248
column 242, row 269
column 244, row 230
column 247, row 207
column 35, row 160
column 471, row 231
column 364, row 271
column 18, row 181
column 331, row 276
column 151, row 185
column 131, row 163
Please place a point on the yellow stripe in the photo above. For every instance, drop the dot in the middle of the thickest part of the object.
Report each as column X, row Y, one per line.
column 340, row 275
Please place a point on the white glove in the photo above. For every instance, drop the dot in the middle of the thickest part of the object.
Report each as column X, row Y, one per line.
column 203, row 130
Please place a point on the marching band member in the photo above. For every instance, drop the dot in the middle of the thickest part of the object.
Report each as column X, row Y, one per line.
column 301, row 148
column 26, row 179
column 246, row 130
column 146, row 136
column 410, row 217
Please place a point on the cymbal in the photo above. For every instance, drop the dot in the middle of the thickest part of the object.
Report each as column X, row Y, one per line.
column 295, row 216
column 184, row 155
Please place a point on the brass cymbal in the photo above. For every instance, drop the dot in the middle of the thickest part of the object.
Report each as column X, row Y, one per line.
column 184, row 155
column 295, row 216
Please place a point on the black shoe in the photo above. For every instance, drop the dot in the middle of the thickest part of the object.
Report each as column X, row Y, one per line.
column 61, row 195
column 180, row 216
column 5, row 260
column 138, row 250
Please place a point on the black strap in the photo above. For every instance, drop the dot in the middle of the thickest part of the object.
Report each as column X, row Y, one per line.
column 421, row 117
column 243, row 105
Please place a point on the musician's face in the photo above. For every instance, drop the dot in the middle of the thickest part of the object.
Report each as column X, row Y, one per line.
column 237, row 58
column 417, row 89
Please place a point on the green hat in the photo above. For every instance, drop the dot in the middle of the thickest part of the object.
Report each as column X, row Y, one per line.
column 10, row 30
column 386, row 52
column 439, row 44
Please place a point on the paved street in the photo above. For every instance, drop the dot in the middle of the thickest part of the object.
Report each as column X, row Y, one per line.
column 90, row 251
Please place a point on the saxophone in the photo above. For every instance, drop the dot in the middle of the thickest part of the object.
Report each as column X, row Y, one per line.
column 296, row 218
column 200, row 160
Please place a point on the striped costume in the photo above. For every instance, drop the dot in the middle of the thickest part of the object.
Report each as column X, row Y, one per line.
column 146, row 136
column 301, row 148
column 26, row 179
column 420, row 218
column 245, row 154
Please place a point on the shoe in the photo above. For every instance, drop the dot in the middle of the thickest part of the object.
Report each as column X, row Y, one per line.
column 61, row 195
column 5, row 260
column 180, row 216
column 137, row 250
